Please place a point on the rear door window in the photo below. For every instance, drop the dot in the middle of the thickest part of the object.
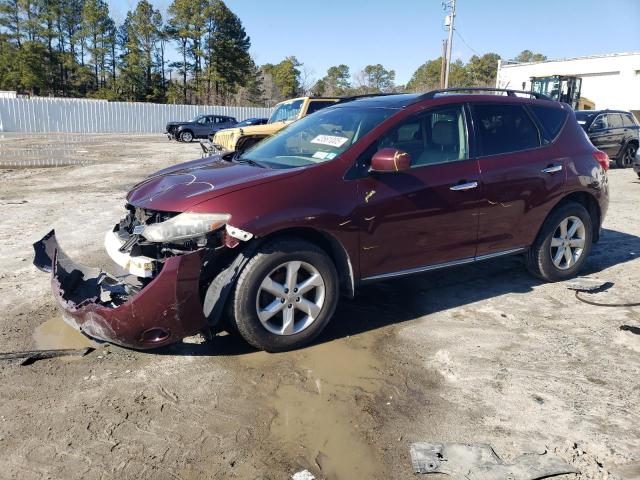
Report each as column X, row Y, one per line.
column 504, row 128
column 615, row 120
column 552, row 119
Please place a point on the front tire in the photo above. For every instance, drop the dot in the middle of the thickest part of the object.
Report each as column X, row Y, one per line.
column 186, row 136
column 285, row 296
column 625, row 159
column 563, row 244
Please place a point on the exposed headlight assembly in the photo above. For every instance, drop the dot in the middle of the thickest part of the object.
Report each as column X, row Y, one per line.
column 185, row 226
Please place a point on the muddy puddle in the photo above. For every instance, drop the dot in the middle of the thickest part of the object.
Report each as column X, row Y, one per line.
column 56, row 334
column 320, row 399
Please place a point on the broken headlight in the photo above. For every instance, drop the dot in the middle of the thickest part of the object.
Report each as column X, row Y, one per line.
column 184, row 227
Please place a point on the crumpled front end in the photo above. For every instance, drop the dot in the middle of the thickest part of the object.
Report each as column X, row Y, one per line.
column 126, row 311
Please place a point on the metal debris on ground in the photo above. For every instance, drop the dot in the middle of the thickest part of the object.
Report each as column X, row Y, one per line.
column 28, row 357
column 479, row 462
column 586, row 284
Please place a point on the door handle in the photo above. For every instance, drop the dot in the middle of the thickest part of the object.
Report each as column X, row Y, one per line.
column 463, row 186
column 552, row 169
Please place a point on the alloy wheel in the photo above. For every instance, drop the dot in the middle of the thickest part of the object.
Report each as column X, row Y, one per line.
column 290, row 298
column 186, row 137
column 567, row 243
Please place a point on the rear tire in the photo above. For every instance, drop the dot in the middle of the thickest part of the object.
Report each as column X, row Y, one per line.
column 558, row 252
column 625, row 159
column 302, row 310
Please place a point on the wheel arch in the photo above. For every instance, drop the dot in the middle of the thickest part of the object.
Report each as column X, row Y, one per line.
column 589, row 202
column 633, row 141
column 330, row 245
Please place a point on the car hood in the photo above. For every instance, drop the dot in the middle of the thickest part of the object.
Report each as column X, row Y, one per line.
column 177, row 188
column 266, row 129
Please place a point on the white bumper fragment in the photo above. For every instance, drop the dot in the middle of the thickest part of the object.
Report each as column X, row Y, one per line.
column 140, row 266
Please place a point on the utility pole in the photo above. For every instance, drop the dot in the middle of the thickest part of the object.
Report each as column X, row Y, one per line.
column 449, row 4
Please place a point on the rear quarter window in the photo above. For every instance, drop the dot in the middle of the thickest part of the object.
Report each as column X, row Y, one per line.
column 551, row 119
column 628, row 120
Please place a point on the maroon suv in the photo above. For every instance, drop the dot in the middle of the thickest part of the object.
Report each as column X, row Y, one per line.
column 373, row 188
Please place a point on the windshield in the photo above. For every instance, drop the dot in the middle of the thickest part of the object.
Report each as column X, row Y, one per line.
column 286, row 111
column 317, row 138
column 196, row 118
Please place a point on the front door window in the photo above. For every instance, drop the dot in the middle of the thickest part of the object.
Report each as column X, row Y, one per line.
column 432, row 138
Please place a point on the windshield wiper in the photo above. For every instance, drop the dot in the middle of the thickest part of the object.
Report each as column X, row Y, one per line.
column 250, row 162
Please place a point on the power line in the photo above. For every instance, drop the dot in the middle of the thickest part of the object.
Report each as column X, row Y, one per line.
column 464, row 41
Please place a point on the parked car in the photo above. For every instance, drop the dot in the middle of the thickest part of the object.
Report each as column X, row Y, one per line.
column 200, row 127
column 251, row 121
column 615, row 132
column 372, row 189
column 240, row 139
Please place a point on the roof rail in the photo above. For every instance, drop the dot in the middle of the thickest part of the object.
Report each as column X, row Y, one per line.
column 365, row 95
column 510, row 92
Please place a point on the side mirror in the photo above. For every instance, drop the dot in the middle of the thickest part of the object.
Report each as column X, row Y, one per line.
column 390, row 160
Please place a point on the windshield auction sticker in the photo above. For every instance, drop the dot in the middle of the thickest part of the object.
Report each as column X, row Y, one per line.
column 330, row 140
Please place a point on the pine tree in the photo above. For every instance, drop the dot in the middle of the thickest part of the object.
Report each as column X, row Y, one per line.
column 140, row 36
column 230, row 64
column 179, row 28
column 96, row 29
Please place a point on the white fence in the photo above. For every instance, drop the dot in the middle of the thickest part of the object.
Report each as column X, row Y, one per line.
column 45, row 115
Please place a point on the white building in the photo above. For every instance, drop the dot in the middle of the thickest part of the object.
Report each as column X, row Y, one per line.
column 610, row 81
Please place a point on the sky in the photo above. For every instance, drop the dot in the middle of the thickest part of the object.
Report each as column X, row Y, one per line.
column 403, row 34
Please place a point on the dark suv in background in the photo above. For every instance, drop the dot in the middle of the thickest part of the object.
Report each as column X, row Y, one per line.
column 200, row 127
column 615, row 132
column 367, row 189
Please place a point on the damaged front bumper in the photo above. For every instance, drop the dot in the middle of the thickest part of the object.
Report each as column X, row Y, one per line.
column 209, row 148
column 121, row 310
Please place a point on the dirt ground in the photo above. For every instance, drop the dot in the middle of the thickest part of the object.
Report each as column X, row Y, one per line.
column 483, row 353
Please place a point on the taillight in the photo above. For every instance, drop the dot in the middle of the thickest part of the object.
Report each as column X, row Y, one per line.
column 602, row 158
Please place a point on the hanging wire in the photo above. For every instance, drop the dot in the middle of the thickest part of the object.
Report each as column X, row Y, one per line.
column 464, row 41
